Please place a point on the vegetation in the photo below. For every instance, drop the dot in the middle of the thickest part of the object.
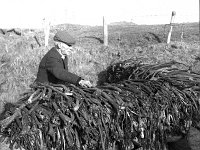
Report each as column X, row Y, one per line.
column 20, row 55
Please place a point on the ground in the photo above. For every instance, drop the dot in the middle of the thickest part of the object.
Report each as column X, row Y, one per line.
column 20, row 55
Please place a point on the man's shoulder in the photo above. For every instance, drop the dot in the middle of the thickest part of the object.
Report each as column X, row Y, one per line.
column 53, row 53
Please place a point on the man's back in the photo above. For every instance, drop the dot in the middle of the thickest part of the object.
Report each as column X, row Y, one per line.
column 47, row 63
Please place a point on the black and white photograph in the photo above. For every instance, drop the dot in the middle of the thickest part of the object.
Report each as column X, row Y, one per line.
column 99, row 75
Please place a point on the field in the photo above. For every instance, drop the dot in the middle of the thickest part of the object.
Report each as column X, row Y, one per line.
column 20, row 55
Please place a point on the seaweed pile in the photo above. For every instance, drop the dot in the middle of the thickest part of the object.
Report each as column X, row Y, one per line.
column 140, row 105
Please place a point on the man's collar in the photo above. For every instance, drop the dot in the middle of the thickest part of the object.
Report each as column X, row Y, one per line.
column 62, row 56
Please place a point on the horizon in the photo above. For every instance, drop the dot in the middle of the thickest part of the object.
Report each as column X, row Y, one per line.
column 124, row 23
column 110, row 24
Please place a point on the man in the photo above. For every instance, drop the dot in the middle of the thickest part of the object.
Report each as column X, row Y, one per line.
column 53, row 67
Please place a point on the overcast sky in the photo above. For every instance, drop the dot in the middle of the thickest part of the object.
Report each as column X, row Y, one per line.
column 29, row 13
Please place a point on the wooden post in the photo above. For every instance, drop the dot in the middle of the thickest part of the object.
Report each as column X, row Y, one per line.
column 182, row 32
column 6, row 48
column 171, row 26
column 46, row 30
column 105, row 32
column 119, row 39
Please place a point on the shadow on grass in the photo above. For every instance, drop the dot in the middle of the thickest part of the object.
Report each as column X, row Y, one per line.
column 153, row 36
column 96, row 38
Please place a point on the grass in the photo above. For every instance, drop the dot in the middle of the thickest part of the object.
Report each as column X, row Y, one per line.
column 20, row 55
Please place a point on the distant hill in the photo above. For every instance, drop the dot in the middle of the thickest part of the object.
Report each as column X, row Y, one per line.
column 125, row 23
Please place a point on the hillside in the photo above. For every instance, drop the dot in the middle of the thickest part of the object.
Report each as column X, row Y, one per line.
column 20, row 55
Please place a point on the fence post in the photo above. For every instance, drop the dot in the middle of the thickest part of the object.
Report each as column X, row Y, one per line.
column 46, row 30
column 6, row 48
column 171, row 26
column 182, row 32
column 105, row 32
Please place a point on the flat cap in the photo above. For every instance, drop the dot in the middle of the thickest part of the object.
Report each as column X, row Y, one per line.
column 65, row 37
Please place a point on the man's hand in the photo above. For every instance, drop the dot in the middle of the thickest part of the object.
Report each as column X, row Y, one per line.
column 85, row 83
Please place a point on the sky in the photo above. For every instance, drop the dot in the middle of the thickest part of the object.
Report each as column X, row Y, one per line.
column 30, row 13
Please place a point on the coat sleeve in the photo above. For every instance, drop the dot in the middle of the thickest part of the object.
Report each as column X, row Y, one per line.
column 55, row 67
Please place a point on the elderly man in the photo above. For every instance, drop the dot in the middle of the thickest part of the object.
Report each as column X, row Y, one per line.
column 53, row 67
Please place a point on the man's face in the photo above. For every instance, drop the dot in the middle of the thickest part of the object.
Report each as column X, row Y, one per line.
column 65, row 49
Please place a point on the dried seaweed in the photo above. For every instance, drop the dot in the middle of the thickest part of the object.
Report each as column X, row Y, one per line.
column 140, row 105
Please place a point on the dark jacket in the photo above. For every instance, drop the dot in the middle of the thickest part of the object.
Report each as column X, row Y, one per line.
column 53, row 69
